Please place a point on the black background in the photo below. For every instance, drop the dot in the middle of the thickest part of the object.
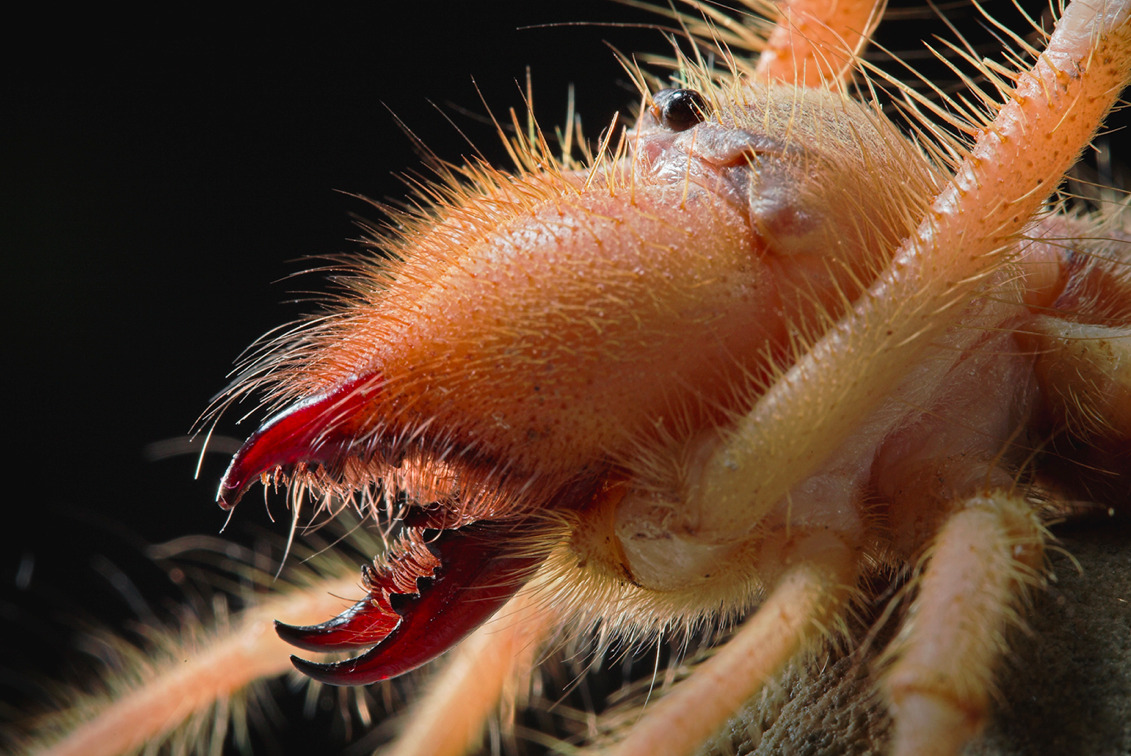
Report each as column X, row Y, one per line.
column 164, row 176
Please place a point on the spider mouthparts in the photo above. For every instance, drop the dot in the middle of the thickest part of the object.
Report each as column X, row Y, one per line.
column 479, row 568
column 321, row 430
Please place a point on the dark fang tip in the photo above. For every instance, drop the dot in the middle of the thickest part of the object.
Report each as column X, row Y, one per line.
column 329, row 674
column 372, row 666
column 322, row 430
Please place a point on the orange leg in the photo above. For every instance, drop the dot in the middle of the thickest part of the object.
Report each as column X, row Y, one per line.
column 800, row 609
column 944, row 658
column 201, row 675
column 816, row 42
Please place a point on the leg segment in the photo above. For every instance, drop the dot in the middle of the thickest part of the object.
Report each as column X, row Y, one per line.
column 202, row 673
column 816, row 42
column 1083, row 346
column 980, row 564
column 1085, row 370
column 803, row 604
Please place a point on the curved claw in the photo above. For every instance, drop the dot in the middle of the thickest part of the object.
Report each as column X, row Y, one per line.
column 367, row 622
column 474, row 579
column 323, row 429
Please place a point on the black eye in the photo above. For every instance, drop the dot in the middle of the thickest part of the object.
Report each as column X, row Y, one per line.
column 679, row 109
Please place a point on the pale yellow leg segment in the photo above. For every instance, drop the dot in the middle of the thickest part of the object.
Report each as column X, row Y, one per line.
column 980, row 565
column 968, row 233
column 1086, row 370
column 485, row 669
column 1083, row 357
column 204, row 673
column 816, row 42
column 804, row 602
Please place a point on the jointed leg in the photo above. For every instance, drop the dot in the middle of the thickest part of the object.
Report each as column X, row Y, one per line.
column 1083, row 347
column 802, row 605
column 980, row 565
column 816, row 42
column 201, row 673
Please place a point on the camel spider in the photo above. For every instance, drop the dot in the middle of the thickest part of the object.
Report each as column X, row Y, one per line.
column 765, row 351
